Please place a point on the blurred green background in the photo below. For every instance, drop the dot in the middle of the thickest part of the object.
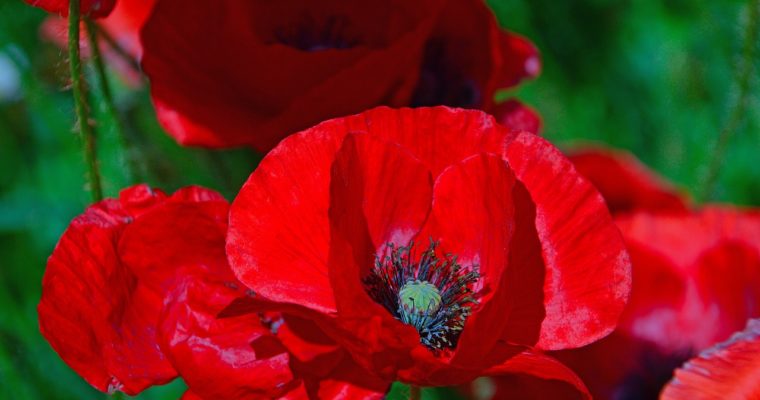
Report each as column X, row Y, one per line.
column 656, row 77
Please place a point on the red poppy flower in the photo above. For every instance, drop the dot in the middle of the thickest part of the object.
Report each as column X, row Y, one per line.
column 696, row 280
column 93, row 8
column 729, row 370
column 625, row 183
column 297, row 63
column 433, row 244
column 131, row 296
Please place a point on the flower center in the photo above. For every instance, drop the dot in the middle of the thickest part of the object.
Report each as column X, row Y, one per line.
column 434, row 295
column 418, row 298
column 310, row 34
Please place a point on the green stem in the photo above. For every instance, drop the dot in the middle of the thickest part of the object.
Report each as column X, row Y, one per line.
column 739, row 108
column 415, row 392
column 93, row 32
column 86, row 130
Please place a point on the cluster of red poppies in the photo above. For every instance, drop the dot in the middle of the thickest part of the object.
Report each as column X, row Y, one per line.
column 432, row 245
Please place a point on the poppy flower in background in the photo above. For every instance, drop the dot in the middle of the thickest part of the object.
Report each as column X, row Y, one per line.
column 93, row 8
column 433, row 244
column 626, row 184
column 297, row 63
column 131, row 296
column 729, row 370
column 696, row 280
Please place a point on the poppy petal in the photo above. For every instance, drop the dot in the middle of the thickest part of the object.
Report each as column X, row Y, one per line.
column 521, row 59
column 362, row 386
column 518, row 116
column 393, row 188
column 437, row 136
column 281, row 83
column 473, row 218
column 625, row 183
column 280, row 218
column 217, row 357
column 361, row 190
column 729, row 370
column 176, row 235
column 538, row 365
column 588, row 271
column 87, row 293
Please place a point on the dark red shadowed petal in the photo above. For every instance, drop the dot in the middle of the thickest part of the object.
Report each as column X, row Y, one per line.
column 727, row 371
column 313, row 352
column 465, row 67
column 530, row 367
column 518, row 116
column 279, row 232
column 520, row 59
column 362, row 387
column 378, row 191
column 525, row 274
column 280, row 82
column 93, row 8
column 625, row 183
column 588, row 272
column 473, row 218
column 328, row 371
column 459, row 66
column 222, row 358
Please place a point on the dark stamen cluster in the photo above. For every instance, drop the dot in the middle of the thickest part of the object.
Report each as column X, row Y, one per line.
column 437, row 292
column 313, row 35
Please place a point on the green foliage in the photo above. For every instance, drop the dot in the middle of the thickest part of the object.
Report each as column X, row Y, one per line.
column 655, row 77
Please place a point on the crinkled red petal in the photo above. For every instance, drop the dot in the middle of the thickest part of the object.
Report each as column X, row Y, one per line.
column 588, row 274
column 222, row 358
column 729, row 370
column 276, row 88
column 99, row 309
